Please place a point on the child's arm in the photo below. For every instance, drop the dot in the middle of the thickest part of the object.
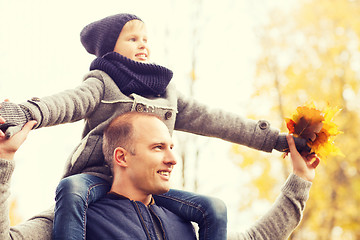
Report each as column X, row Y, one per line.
column 200, row 119
column 67, row 106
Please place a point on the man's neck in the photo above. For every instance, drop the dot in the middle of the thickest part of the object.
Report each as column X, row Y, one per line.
column 131, row 194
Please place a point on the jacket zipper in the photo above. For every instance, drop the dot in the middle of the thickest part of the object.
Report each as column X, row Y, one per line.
column 142, row 220
column 161, row 225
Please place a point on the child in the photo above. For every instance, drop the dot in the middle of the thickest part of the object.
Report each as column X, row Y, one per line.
column 121, row 80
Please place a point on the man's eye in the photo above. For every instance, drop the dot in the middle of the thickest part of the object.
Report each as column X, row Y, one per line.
column 158, row 147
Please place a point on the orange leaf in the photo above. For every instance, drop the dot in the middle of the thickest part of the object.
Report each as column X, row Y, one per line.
column 290, row 124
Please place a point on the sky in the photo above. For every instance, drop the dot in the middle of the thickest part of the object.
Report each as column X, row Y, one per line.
column 41, row 54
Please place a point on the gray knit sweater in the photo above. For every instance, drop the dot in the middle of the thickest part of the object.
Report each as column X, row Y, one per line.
column 98, row 100
column 277, row 224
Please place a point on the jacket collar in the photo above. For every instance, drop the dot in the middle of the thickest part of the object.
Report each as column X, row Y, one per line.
column 116, row 196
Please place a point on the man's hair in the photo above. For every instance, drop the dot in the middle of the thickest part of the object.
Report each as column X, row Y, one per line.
column 120, row 133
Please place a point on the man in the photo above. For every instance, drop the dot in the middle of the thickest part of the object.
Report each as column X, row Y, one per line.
column 138, row 147
column 152, row 177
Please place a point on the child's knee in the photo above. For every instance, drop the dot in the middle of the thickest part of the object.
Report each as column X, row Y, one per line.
column 71, row 188
column 81, row 188
column 216, row 208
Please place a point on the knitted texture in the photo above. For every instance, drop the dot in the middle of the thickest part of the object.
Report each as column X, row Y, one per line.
column 134, row 77
column 6, row 170
column 298, row 190
column 15, row 116
column 100, row 37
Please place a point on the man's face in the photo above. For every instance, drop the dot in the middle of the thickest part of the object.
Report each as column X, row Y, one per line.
column 132, row 42
column 150, row 168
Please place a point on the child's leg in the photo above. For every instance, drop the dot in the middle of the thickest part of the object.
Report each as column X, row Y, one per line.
column 208, row 212
column 73, row 195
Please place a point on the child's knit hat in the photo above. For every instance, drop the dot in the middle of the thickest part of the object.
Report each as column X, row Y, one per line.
column 100, row 37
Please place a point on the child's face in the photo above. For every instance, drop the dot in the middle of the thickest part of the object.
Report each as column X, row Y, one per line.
column 132, row 42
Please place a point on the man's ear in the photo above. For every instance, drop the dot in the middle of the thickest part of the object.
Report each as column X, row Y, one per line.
column 120, row 157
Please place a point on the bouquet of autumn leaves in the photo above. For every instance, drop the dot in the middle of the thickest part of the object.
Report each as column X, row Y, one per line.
column 317, row 128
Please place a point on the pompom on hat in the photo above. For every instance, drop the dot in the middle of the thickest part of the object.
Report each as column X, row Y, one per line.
column 100, row 37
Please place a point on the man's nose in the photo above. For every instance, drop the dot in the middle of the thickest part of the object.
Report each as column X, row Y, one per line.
column 170, row 158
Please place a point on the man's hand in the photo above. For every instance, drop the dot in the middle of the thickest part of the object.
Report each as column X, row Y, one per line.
column 304, row 164
column 2, row 120
column 8, row 146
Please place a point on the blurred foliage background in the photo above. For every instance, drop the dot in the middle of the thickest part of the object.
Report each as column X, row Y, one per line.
column 313, row 54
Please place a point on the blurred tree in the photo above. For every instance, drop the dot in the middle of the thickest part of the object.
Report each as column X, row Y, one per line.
column 313, row 54
column 189, row 146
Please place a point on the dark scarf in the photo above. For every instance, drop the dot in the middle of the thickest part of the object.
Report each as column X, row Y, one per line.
column 133, row 77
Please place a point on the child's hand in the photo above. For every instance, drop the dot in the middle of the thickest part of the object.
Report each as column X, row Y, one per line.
column 14, row 118
column 304, row 164
column 283, row 146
